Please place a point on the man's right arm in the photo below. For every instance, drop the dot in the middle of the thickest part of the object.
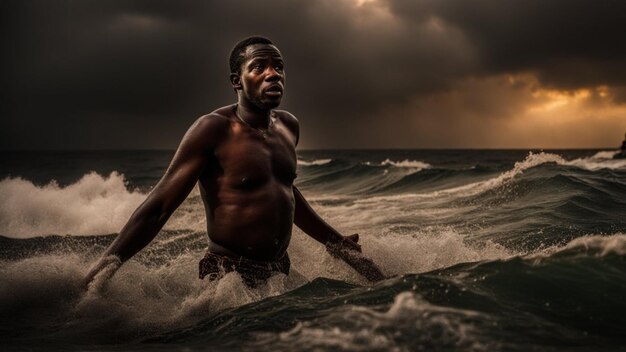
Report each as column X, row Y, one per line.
column 178, row 180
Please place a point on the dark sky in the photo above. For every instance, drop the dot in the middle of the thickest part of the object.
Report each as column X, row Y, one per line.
column 360, row 74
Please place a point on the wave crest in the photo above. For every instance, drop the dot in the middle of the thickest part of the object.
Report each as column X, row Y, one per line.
column 93, row 205
column 406, row 163
column 315, row 162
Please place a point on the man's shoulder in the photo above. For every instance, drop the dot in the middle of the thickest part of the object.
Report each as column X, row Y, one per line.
column 290, row 121
column 211, row 127
column 286, row 116
column 225, row 112
column 219, row 118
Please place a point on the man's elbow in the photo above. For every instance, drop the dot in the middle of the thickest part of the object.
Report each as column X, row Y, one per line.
column 165, row 210
column 156, row 209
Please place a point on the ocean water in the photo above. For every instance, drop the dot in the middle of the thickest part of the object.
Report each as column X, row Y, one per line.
column 489, row 250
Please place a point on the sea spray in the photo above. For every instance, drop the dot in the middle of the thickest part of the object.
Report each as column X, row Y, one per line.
column 94, row 205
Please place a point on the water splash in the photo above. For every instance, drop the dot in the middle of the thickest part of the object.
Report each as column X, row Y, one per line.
column 93, row 205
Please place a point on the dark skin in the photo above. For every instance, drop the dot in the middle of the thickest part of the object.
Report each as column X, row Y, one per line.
column 243, row 157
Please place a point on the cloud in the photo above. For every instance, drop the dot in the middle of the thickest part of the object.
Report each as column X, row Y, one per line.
column 568, row 42
column 504, row 110
column 143, row 65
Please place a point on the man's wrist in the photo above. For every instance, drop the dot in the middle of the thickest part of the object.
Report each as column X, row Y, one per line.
column 334, row 238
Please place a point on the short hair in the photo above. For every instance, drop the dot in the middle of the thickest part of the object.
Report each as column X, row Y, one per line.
column 237, row 54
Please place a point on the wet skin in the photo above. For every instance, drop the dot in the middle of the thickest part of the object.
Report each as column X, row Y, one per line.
column 243, row 158
column 247, row 187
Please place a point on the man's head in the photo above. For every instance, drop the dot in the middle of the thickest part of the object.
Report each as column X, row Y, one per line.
column 237, row 55
column 257, row 72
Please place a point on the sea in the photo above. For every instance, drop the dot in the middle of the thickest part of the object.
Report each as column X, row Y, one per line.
column 485, row 250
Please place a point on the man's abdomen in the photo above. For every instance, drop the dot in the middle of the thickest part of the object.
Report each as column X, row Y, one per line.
column 253, row 223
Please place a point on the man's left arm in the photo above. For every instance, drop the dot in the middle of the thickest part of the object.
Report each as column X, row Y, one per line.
column 343, row 247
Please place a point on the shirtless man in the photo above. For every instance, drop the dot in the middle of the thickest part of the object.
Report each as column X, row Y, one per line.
column 243, row 158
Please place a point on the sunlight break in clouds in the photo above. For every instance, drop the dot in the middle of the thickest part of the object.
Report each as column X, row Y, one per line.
column 512, row 111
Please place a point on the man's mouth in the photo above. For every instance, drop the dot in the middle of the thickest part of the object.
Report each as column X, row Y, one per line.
column 274, row 91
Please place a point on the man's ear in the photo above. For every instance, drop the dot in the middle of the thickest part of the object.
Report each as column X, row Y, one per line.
column 235, row 80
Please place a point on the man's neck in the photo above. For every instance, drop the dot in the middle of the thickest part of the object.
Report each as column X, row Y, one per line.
column 252, row 115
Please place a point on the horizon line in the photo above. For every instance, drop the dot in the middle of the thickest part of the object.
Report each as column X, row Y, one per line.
column 320, row 149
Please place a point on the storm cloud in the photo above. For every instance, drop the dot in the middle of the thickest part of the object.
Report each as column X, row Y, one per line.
column 374, row 74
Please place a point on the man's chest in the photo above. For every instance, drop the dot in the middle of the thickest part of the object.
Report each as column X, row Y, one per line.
column 254, row 157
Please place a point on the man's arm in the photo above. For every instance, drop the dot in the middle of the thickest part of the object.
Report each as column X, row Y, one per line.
column 178, row 180
column 337, row 245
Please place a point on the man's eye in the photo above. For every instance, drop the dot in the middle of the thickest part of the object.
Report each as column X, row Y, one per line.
column 279, row 68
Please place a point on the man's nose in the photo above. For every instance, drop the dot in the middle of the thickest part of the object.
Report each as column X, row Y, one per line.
column 272, row 74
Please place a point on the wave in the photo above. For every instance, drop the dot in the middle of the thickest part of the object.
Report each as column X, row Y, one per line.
column 93, row 205
column 475, row 188
column 315, row 162
column 158, row 290
column 532, row 160
column 411, row 164
column 465, row 302
column 388, row 180
column 591, row 245
column 482, row 259
column 364, row 328
column 473, row 306
column 100, row 205
column 470, row 306
column 601, row 160
column 536, row 202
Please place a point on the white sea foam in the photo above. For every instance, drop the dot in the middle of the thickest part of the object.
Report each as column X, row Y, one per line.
column 601, row 160
column 605, row 154
column 138, row 299
column 431, row 249
column 144, row 298
column 410, row 164
column 604, row 245
column 597, row 245
column 93, row 205
column 316, row 162
column 397, row 249
column 413, row 164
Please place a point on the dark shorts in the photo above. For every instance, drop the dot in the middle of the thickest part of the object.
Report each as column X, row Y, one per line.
column 252, row 272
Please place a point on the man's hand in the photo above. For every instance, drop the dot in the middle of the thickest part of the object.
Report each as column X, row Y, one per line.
column 351, row 242
column 348, row 250
column 101, row 272
column 345, row 248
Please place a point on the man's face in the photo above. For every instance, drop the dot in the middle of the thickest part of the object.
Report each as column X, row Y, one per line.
column 262, row 77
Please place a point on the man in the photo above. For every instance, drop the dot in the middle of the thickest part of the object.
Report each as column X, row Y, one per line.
column 244, row 159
